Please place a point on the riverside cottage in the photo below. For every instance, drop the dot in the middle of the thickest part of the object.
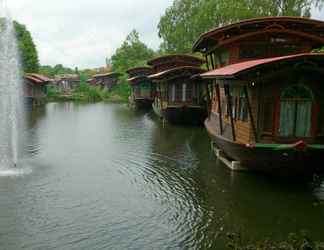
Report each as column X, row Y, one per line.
column 142, row 88
column 106, row 81
column 35, row 88
column 179, row 94
column 266, row 94
column 67, row 82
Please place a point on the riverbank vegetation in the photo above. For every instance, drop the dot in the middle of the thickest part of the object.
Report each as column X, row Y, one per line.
column 87, row 93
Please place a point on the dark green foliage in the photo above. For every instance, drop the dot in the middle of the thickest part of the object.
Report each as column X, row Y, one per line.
column 58, row 69
column 319, row 50
column 132, row 53
column 298, row 241
column 185, row 20
column 27, row 48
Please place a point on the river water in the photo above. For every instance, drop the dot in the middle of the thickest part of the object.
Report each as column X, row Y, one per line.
column 101, row 176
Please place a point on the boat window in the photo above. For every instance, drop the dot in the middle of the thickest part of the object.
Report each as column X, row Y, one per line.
column 296, row 112
column 145, row 89
column 137, row 91
column 189, row 93
column 243, row 108
column 178, row 92
column 222, row 59
column 268, row 114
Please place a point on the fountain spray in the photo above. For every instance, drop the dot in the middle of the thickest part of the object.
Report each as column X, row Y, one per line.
column 11, row 91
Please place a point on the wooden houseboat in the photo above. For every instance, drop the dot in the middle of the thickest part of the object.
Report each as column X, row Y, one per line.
column 266, row 94
column 142, row 88
column 106, row 81
column 179, row 93
column 35, row 88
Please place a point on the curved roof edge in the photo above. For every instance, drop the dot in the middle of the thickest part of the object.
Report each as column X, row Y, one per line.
column 139, row 69
column 165, row 73
column 297, row 20
column 107, row 74
column 182, row 57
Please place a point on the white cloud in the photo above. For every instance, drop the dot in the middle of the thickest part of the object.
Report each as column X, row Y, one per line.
column 82, row 33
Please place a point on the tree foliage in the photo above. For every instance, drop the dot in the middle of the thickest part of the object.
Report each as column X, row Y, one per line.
column 185, row 20
column 51, row 71
column 132, row 53
column 27, row 48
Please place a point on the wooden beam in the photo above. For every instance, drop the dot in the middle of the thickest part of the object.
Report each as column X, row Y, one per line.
column 212, row 55
column 255, row 133
column 220, row 113
column 229, row 105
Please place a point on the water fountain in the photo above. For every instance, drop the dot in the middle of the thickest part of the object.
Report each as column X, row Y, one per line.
column 11, row 99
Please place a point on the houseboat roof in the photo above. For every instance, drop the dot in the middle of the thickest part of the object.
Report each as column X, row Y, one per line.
column 41, row 77
column 37, row 78
column 140, row 70
column 110, row 74
column 177, row 72
column 183, row 58
column 307, row 28
column 238, row 69
column 137, row 79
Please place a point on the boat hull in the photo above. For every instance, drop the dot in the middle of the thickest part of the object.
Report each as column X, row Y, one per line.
column 143, row 104
column 185, row 115
column 281, row 161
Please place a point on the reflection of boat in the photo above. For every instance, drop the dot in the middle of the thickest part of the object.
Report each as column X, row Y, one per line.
column 179, row 94
column 265, row 93
column 142, row 90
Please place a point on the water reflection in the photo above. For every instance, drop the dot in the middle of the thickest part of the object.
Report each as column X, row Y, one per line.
column 105, row 177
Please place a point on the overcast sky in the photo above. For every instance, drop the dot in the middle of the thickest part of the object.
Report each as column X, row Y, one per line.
column 83, row 32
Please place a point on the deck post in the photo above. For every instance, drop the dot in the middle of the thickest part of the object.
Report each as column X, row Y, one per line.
column 218, row 98
column 246, row 92
column 229, row 105
column 207, row 88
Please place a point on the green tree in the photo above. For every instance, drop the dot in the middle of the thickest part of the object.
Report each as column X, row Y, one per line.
column 58, row 69
column 27, row 48
column 132, row 53
column 185, row 20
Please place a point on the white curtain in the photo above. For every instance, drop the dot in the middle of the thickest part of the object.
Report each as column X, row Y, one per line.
column 304, row 119
column 287, row 118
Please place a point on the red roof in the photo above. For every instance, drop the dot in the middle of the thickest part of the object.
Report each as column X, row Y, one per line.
column 36, row 78
column 40, row 77
column 33, row 79
column 233, row 70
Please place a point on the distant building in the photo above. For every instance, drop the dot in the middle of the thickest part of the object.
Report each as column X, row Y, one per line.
column 67, row 82
column 35, row 88
column 105, row 81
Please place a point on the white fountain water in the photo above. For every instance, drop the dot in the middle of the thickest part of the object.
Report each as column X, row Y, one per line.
column 11, row 93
